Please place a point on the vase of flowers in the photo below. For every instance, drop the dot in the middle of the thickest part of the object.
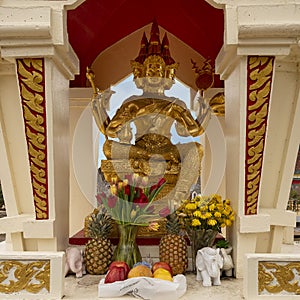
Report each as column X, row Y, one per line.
column 203, row 217
column 130, row 203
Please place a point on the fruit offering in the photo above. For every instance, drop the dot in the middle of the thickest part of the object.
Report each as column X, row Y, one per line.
column 163, row 265
column 142, row 263
column 163, row 274
column 121, row 264
column 117, row 271
column 140, row 271
column 115, row 274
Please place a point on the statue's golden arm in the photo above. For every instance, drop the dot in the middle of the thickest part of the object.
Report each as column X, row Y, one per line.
column 101, row 117
column 142, row 107
column 100, row 98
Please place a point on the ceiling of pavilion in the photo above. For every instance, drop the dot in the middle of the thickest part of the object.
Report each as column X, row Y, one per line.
column 96, row 26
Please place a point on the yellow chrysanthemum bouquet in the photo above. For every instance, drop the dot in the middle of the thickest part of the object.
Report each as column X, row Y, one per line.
column 203, row 217
column 206, row 212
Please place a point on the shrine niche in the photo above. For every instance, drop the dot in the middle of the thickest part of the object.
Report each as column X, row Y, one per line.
column 138, row 137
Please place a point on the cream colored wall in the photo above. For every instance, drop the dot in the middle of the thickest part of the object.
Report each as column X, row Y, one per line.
column 83, row 158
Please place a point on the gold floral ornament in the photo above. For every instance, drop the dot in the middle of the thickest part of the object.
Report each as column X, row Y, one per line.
column 131, row 201
column 206, row 212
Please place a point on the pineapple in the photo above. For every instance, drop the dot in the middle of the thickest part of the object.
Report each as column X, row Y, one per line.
column 173, row 247
column 98, row 250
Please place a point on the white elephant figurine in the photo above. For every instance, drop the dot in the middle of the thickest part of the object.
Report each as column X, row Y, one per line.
column 209, row 263
column 227, row 262
column 74, row 262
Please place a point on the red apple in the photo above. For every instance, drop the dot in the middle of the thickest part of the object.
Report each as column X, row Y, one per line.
column 115, row 274
column 122, row 264
column 162, row 264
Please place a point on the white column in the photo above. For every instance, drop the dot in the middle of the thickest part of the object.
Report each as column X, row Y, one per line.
column 84, row 149
column 36, row 30
column 260, row 28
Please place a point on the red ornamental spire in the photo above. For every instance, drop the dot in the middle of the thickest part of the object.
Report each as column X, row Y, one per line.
column 143, row 50
column 154, row 42
column 166, row 51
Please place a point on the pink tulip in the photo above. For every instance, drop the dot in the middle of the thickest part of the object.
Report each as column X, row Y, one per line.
column 127, row 190
column 161, row 182
column 99, row 198
column 112, row 200
column 153, row 187
column 141, row 201
column 164, row 212
column 150, row 209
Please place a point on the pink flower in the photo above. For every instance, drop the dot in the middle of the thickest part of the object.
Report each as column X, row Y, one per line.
column 161, row 182
column 164, row 212
column 127, row 190
column 153, row 226
column 150, row 209
column 112, row 200
column 153, row 187
column 128, row 177
column 141, row 201
column 99, row 198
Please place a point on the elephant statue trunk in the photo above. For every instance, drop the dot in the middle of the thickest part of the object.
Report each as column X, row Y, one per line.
column 209, row 263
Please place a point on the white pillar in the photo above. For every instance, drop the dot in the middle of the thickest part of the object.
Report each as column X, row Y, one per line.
column 261, row 30
column 35, row 121
column 84, row 150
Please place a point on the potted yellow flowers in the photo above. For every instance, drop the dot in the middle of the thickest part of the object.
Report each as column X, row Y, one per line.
column 203, row 217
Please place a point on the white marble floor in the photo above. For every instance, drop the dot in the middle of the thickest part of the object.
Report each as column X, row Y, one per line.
column 86, row 288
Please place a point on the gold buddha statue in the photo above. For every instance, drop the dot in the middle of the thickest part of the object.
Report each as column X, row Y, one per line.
column 150, row 152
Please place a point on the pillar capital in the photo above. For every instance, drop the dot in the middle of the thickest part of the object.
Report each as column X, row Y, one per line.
column 38, row 29
column 264, row 28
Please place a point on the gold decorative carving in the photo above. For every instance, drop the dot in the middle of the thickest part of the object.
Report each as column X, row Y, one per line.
column 17, row 276
column 217, row 104
column 260, row 73
column 32, row 91
column 275, row 277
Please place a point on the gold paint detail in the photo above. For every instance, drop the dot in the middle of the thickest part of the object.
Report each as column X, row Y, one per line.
column 29, row 276
column 260, row 73
column 32, row 90
column 278, row 278
column 217, row 104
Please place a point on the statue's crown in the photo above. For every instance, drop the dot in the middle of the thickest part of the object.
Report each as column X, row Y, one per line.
column 154, row 52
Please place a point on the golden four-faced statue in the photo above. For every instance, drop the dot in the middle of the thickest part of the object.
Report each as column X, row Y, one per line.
column 148, row 150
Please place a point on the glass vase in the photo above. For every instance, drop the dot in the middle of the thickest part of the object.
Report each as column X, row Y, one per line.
column 127, row 249
column 199, row 239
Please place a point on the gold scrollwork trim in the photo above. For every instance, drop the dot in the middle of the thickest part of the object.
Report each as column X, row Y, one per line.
column 260, row 73
column 17, row 276
column 32, row 91
column 274, row 277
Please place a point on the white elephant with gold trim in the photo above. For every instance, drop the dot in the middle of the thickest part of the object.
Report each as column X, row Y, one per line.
column 209, row 263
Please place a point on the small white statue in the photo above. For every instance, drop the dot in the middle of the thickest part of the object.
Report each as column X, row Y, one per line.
column 74, row 262
column 209, row 263
column 227, row 262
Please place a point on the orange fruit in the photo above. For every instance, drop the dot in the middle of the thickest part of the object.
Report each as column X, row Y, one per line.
column 140, row 271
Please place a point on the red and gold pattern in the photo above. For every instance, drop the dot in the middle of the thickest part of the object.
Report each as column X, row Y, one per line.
column 260, row 72
column 32, row 90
